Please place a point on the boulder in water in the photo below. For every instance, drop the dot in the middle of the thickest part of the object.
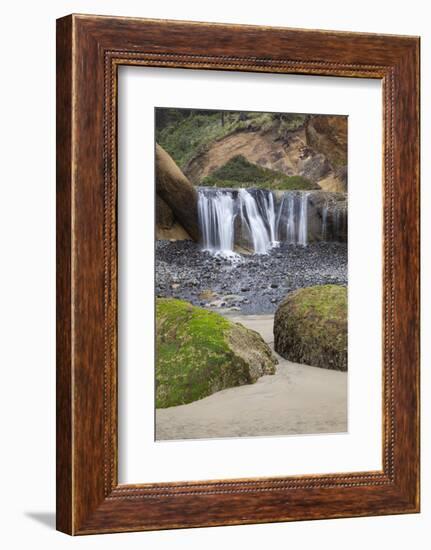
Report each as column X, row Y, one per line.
column 199, row 352
column 310, row 327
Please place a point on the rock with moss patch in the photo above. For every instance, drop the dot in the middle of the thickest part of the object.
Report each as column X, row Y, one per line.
column 310, row 327
column 199, row 352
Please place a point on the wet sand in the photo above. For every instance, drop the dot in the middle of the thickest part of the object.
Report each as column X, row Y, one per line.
column 298, row 399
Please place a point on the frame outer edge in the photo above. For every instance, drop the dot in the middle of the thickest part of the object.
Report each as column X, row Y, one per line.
column 64, row 367
column 407, row 272
column 81, row 508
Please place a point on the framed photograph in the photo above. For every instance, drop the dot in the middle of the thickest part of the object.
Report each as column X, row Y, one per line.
column 237, row 274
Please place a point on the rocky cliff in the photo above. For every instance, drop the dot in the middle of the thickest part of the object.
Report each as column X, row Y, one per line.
column 316, row 151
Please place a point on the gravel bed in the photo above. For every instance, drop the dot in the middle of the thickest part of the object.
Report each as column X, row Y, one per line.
column 250, row 284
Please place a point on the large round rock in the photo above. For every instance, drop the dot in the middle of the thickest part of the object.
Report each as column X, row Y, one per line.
column 177, row 192
column 199, row 352
column 310, row 327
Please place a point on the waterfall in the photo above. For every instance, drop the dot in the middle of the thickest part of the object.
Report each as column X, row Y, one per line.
column 254, row 218
column 216, row 217
column 251, row 216
column 270, row 209
column 303, row 220
column 278, row 231
column 291, row 219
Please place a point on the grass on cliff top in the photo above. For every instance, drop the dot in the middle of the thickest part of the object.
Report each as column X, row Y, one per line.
column 239, row 172
column 185, row 133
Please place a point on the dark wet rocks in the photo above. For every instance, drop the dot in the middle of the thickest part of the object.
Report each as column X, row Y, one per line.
column 250, row 284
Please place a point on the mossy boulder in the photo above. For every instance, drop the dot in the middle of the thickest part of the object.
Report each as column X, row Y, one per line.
column 199, row 352
column 310, row 327
column 239, row 172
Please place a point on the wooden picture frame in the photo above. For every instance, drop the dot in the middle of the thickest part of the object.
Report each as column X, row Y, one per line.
column 89, row 51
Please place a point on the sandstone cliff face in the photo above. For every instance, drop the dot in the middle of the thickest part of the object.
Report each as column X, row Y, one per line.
column 257, row 147
column 328, row 135
column 317, row 151
column 167, row 228
column 176, row 200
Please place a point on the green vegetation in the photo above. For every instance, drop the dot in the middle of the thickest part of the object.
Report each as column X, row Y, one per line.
column 310, row 327
column 329, row 302
column 195, row 356
column 184, row 133
column 239, row 172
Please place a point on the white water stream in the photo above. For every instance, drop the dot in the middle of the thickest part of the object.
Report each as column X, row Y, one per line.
column 254, row 216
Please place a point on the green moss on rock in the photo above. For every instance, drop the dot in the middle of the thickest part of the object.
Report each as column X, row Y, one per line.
column 239, row 172
column 310, row 327
column 199, row 352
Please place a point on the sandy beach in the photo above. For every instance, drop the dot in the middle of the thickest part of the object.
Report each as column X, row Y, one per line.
column 298, row 399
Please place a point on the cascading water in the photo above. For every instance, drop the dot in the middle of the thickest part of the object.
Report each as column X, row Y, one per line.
column 270, row 209
column 278, row 218
column 291, row 219
column 253, row 218
column 303, row 220
column 254, row 221
column 216, row 217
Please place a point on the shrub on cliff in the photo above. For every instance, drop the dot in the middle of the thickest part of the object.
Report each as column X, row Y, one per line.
column 239, row 172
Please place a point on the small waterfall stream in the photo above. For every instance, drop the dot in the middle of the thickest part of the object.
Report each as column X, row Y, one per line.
column 256, row 219
column 291, row 218
column 216, row 218
column 303, row 220
column 270, row 209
